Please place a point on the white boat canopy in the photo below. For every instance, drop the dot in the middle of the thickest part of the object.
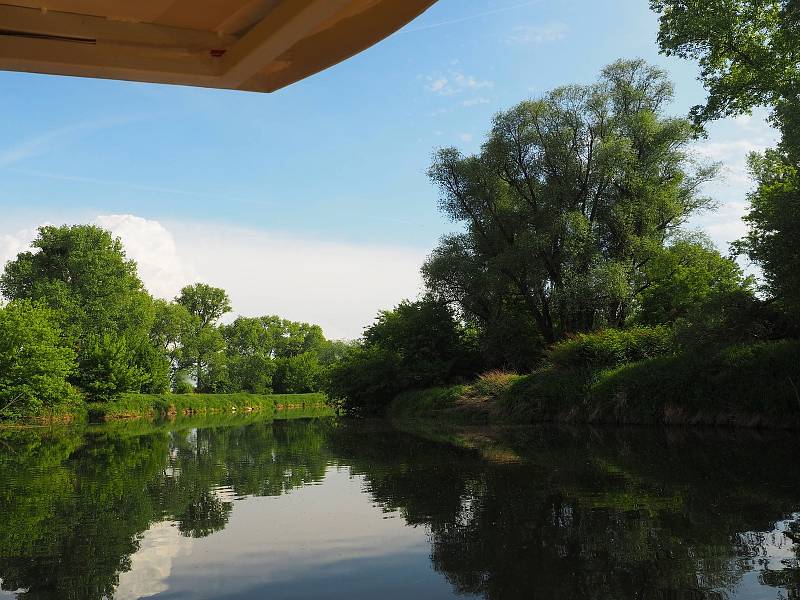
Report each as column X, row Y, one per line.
column 255, row 45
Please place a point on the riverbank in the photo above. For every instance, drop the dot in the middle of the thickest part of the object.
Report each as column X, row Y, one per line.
column 757, row 385
column 138, row 406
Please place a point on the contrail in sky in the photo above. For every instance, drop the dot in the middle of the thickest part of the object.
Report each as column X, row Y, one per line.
column 470, row 17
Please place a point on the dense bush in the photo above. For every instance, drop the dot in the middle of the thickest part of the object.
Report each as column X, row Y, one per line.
column 754, row 382
column 733, row 319
column 546, row 394
column 417, row 345
column 251, row 373
column 611, row 347
column 105, row 370
column 685, row 277
column 364, row 380
column 297, row 374
column 34, row 362
column 425, row 403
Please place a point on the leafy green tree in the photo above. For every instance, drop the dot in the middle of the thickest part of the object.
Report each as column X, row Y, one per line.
column 81, row 272
column 249, row 355
column 773, row 238
column 416, row 345
column 333, row 351
column 266, row 353
column 202, row 350
column 747, row 52
column 283, row 338
column 365, row 380
column 172, row 324
column 297, row 374
column 432, row 344
column 685, row 276
column 461, row 276
column 569, row 198
column 203, row 354
column 254, row 373
column 34, row 362
column 106, row 370
column 749, row 56
column 205, row 302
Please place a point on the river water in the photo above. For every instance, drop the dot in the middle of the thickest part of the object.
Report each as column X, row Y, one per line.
column 328, row 508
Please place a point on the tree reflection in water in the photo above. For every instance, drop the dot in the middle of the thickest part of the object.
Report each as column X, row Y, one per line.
column 550, row 513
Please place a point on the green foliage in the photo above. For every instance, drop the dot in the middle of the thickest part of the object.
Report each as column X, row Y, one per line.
column 332, row 351
column 475, row 402
column 205, row 302
column 416, row 345
column 549, row 393
column 365, row 380
column 431, row 344
column 251, row 373
column 731, row 319
column 138, row 405
column 746, row 384
column 748, row 55
column 611, row 347
column 427, row 402
column 297, row 374
column 172, row 324
column 181, row 383
column 685, row 277
column 266, row 353
column 202, row 347
column 105, row 370
column 570, row 196
column 493, row 383
column 82, row 274
column 773, row 219
column 34, row 362
column 747, row 51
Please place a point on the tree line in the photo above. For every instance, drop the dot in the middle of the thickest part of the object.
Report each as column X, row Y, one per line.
column 573, row 219
column 80, row 325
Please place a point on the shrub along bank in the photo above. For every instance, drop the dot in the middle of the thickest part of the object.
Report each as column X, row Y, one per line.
column 142, row 405
column 587, row 380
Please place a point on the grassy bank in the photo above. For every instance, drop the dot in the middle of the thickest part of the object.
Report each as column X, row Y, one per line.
column 132, row 406
column 756, row 385
column 150, row 405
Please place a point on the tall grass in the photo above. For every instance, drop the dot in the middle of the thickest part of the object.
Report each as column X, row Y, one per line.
column 137, row 405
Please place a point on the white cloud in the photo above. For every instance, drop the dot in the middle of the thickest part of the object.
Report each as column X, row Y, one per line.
column 12, row 243
column 153, row 248
column 537, row 34
column 341, row 286
column 729, row 142
column 455, row 82
column 151, row 564
column 465, row 137
column 437, row 85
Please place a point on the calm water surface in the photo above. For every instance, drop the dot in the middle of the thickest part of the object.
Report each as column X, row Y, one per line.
column 326, row 508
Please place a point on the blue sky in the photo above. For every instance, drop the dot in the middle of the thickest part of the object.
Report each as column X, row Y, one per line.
column 333, row 164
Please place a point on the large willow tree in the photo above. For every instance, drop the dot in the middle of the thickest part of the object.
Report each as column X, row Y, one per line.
column 568, row 200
